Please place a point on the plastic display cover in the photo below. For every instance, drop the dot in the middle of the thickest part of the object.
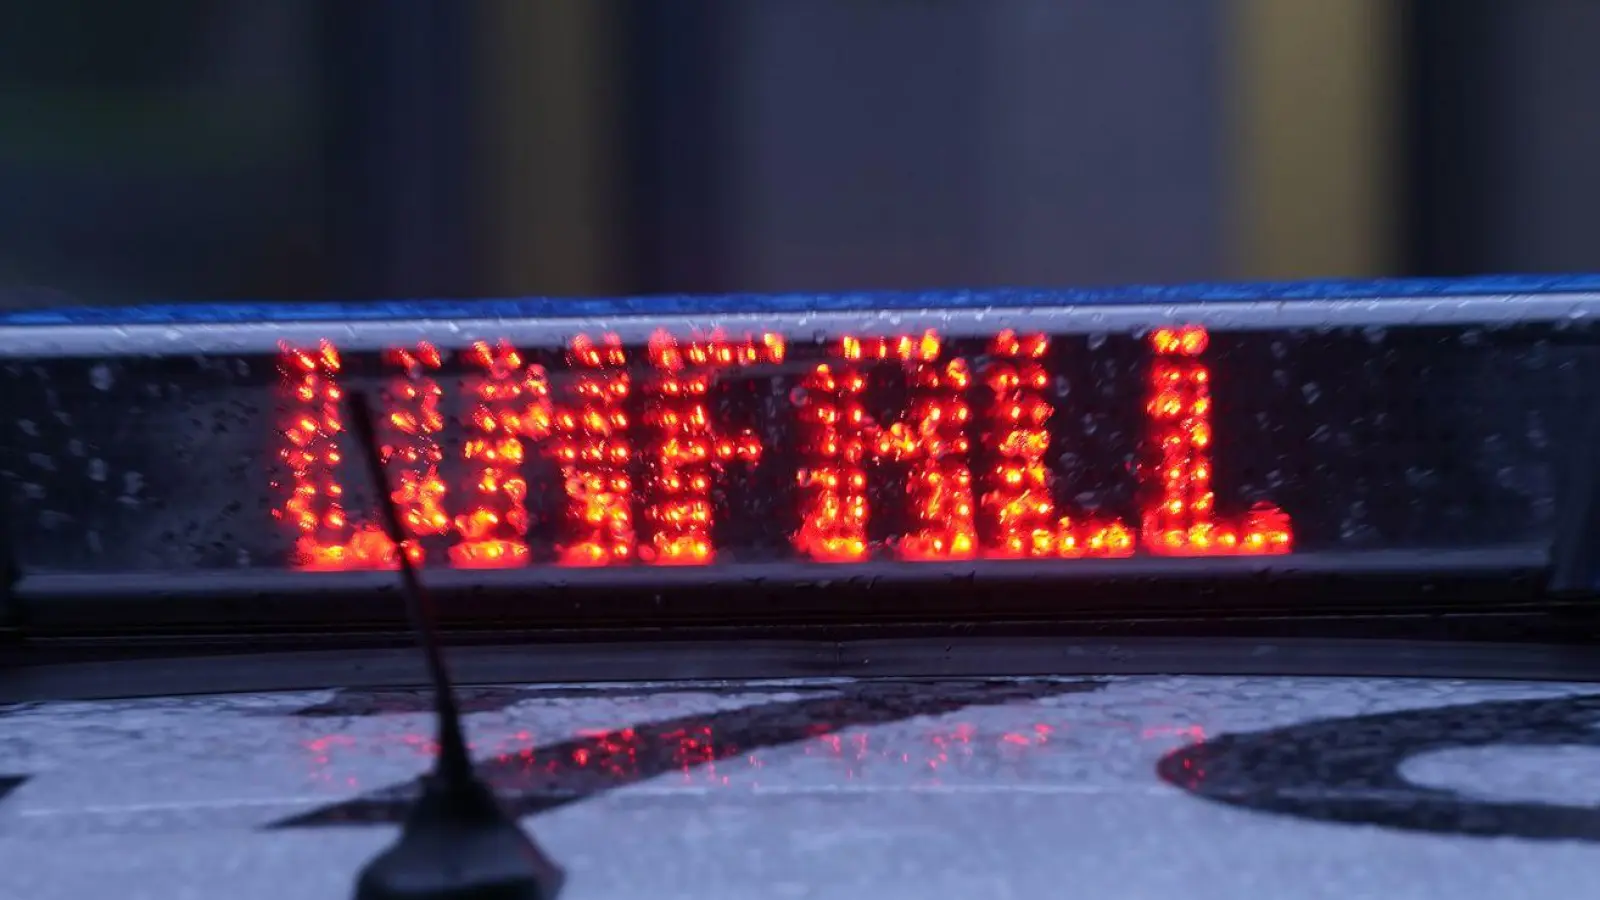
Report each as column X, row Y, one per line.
column 737, row 451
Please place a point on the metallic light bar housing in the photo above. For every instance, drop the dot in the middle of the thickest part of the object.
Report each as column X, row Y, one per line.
column 1560, row 310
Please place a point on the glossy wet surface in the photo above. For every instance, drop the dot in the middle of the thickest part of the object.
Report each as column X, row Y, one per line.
column 1127, row 787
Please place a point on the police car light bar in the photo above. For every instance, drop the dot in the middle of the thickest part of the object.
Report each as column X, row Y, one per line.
column 732, row 455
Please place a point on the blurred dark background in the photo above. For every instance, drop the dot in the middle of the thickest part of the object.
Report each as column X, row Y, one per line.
column 288, row 149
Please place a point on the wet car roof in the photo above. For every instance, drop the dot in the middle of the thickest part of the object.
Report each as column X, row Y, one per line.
column 1104, row 787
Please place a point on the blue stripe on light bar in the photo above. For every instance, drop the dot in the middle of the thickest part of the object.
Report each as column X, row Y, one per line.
column 577, row 307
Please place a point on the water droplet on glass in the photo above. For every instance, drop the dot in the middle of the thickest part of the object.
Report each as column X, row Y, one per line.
column 1418, row 477
column 1544, row 508
column 1311, row 391
column 1374, row 334
column 1538, row 437
column 97, row 469
column 1537, row 356
column 28, row 427
column 1355, row 532
column 1097, row 340
column 100, row 376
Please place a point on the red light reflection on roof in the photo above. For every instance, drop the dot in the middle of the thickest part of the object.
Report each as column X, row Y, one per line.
column 689, row 755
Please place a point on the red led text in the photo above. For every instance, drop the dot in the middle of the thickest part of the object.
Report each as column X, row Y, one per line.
column 970, row 449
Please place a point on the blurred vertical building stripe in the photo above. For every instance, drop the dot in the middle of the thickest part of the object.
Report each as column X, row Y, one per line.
column 1316, row 152
column 1504, row 135
column 952, row 143
column 551, row 199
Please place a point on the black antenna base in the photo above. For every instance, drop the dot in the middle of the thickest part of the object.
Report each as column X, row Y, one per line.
column 458, row 844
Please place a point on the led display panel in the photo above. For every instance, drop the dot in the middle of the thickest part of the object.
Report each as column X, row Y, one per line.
column 779, row 441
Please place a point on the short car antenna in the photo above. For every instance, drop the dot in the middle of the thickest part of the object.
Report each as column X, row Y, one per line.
column 457, row 843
